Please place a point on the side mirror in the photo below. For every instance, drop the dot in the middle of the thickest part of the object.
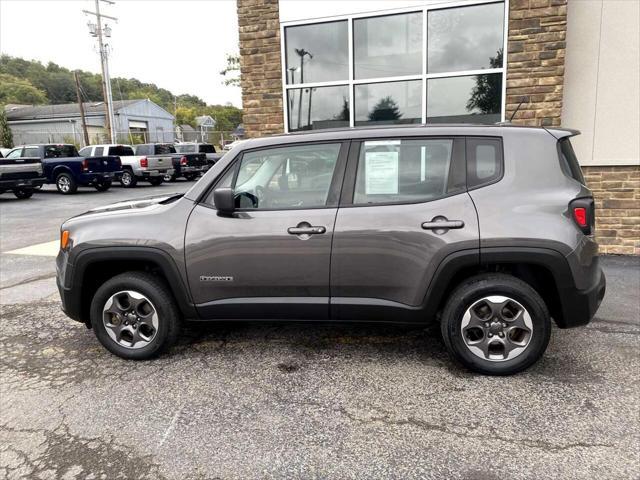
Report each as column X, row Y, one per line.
column 224, row 200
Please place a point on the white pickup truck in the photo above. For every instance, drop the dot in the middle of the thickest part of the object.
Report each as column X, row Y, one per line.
column 148, row 168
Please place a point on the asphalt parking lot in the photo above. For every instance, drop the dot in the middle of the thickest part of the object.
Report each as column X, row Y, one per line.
column 298, row 400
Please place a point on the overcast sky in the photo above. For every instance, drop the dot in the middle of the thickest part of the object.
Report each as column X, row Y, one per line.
column 179, row 45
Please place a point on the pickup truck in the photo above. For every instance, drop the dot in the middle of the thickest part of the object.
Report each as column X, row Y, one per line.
column 63, row 166
column 20, row 175
column 187, row 165
column 146, row 168
column 194, row 147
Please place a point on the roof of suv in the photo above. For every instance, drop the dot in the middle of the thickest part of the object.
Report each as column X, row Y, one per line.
column 409, row 130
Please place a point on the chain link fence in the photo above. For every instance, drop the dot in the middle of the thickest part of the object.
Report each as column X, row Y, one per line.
column 129, row 137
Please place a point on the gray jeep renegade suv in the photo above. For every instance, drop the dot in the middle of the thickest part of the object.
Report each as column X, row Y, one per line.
column 487, row 229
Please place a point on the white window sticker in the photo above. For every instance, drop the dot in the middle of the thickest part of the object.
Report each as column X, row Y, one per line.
column 381, row 175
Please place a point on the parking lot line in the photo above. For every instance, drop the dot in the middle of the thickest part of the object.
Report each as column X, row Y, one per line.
column 47, row 249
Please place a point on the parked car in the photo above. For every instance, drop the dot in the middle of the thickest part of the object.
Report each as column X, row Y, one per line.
column 20, row 175
column 488, row 229
column 187, row 165
column 194, row 147
column 64, row 167
column 146, row 168
column 230, row 145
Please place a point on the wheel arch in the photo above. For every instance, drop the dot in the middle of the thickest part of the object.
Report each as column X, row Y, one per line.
column 94, row 266
column 545, row 270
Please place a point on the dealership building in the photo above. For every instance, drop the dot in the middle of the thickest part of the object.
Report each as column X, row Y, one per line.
column 572, row 63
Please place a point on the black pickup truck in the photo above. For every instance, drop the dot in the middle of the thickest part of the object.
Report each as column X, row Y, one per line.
column 20, row 175
column 64, row 167
column 195, row 147
column 187, row 165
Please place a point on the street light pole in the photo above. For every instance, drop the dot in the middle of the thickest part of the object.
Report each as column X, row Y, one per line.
column 301, row 53
column 104, row 63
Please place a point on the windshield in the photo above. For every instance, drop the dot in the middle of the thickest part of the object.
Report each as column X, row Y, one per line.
column 60, row 151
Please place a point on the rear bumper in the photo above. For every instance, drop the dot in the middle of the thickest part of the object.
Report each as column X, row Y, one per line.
column 97, row 177
column 579, row 306
column 147, row 174
column 22, row 183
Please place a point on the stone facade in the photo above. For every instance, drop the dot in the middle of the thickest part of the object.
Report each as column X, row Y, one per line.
column 260, row 67
column 535, row 60
column 617, row 194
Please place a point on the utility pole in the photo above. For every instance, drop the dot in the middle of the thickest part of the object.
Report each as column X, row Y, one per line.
column 81, row 105
column 97, row 30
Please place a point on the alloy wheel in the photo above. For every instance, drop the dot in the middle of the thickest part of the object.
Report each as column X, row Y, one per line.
column 64, row 184
column 130, row 319
column 497, row 328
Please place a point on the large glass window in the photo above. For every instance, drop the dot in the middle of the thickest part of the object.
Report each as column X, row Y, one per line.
column 317, row 52
column 387, row 103
column 318, row 107
column 391, row 171
column 297, row 176
column 388, row 46
column 465, row 38
column 472, row 99
column 438, row 64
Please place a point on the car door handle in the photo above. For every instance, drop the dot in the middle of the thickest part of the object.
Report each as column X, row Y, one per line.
column 310, row 230
column 443, row 224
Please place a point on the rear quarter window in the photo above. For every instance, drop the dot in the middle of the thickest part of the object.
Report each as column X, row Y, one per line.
column 568, row 160
column 121, row 151
column 484, row 161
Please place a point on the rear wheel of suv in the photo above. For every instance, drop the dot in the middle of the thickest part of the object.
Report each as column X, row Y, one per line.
column 495, row 324
column 134, row 316
column 155, row 181
column 66, row 184
column 128, row 179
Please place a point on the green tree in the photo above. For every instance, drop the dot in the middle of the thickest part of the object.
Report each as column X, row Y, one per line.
column 344, row 113
column 232, row 70
column 6, row 137
column 386, row 109
column 16, row 90
column 185, row 116
column 487, row 93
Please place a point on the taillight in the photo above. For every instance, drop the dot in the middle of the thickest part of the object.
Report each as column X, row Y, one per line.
column 580, row 216
column 183, row 161
column 583, row 212
column 144, row 162
column 85, row 165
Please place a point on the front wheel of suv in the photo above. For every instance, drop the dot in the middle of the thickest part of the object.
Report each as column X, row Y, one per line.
column 495, row 324
column 134, row 316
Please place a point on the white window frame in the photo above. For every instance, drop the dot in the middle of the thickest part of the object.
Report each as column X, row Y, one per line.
column 350, row 82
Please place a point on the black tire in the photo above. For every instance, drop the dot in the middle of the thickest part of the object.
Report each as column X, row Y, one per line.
column 191, row 176
column 170, row 178
column 477, row 288
column 66, row 184
column 155, row 181
column 156, row 290
column 103, row 186
column 128, row 179
column 23, row 193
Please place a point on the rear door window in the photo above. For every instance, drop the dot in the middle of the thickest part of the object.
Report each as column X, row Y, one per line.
column 98, row 152
column 407, row 171
column 30, row 152
column 569, row 161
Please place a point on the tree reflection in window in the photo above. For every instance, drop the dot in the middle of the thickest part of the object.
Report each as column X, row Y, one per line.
column 486, row 95
column 385, row 110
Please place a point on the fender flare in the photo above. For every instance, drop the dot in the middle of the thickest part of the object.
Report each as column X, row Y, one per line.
column 84, row 259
